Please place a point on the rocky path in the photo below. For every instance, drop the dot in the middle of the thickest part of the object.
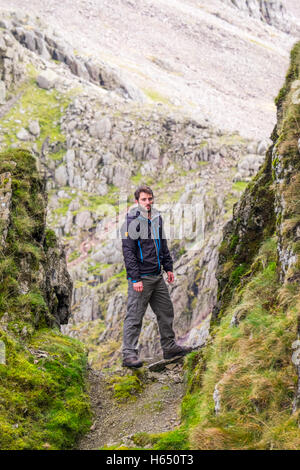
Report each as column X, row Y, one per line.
column 154, row 410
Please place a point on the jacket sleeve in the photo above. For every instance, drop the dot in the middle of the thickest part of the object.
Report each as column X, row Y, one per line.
column 167, row 258
column 129, row 254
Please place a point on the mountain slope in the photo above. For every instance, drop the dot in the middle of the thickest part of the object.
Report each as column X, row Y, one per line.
column 210, row 59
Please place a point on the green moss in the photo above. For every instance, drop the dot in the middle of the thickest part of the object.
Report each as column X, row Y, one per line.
column 50, row 239
column 139, row 179
column 126, row 387
column 98, row 268
column 173, row 440
column 240, row 185
column 24, row 243
column 231, row 139
column 234, row 241
column 57, row 156
column 237, row 273
column 43, row 400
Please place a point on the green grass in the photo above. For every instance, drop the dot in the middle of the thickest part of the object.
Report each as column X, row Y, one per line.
column 46, row 106
column 156, row 96
column 139, row 179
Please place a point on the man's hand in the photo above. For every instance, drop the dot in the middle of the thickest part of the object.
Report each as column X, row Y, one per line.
column 138, row 286
column 170, row 277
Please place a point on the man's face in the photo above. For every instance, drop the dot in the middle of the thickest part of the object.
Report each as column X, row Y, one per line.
column 145, row 200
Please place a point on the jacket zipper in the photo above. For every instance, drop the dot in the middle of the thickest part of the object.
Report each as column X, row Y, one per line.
column 139, row 243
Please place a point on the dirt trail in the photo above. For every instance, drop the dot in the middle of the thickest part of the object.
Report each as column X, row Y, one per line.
column 155, row 409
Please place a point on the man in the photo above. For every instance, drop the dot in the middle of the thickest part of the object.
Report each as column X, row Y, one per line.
column 146, row 253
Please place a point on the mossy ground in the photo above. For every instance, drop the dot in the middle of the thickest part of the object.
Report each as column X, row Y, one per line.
column 44, row 404
column 126, row 387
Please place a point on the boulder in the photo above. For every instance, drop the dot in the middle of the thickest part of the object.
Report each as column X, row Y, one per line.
column 84, row 220
column 61, row 176
column 34, row 128
column 46, row 80
column 23, row 134
column 100, row 128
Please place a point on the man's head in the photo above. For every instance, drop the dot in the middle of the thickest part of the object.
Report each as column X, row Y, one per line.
column 144, row 197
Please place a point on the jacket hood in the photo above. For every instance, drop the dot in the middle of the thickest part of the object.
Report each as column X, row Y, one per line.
column 136, row 211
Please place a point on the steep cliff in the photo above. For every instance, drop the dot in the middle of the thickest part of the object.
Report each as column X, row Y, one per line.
column 43, row 403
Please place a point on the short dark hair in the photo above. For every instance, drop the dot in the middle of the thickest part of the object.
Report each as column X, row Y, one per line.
column 142, row 189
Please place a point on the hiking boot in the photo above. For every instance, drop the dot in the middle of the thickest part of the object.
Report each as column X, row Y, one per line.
column 176, row 351
column 131, row 361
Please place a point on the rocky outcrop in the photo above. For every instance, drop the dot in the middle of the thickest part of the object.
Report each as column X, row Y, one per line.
column 42, row 272
column 5, row 204
column 11, row 66
column 49, row 46
column 272, row 12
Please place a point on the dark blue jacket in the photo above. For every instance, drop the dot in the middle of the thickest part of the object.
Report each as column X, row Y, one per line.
column 144, row 245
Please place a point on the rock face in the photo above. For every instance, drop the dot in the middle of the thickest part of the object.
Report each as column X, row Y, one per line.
column 49, row 47
column 42, row 268
column 268, row 203
column 272, row 12
column 11, row 65
column 152, row 72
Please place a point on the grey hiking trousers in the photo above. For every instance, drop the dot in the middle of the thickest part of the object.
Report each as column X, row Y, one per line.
column 155, row 292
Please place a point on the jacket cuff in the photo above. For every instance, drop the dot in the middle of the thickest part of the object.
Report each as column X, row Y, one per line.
column 168, row 268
